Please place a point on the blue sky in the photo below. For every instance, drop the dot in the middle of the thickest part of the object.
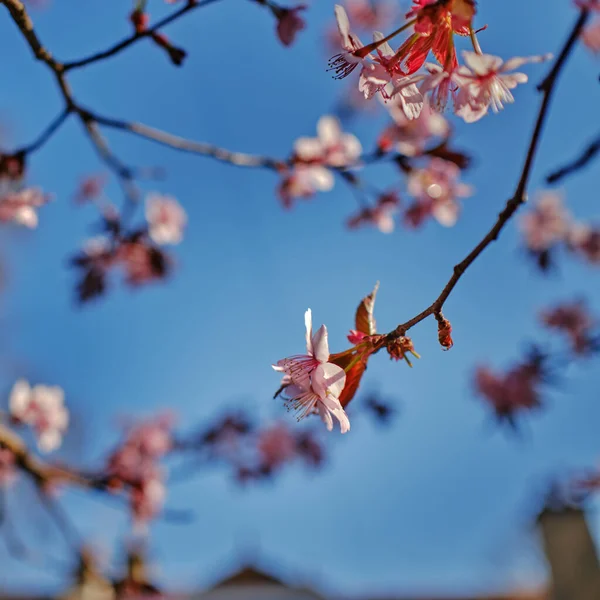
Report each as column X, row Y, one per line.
column 441, row 500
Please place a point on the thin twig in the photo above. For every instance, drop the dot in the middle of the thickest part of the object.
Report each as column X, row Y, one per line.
column 164, row 138
column 579, row 163
column 52, row 128
column 191, row 5
column 547, row 88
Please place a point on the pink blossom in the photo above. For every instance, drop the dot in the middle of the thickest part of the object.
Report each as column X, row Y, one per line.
column 20, row 207
column 312, row 383
column 436, row 189
column 509, row 393
column 411, row 136
column 166, row 219
column 585, row 240
column 331, row 147
column 303, row 181
column 90, row 188
column 574, row 320
column 591, row 36
column 547, row 223
column 276, row 445
column 142, row 262
column 8, row 472
column 41, row 407
column 381, row 215
column 343, row 64
column 485, row 81
column 588, row 4
column 147, row 499
column 289, row 23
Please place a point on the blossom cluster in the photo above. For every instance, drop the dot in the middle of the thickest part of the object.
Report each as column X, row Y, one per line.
column 18, row 203
column 549, row 225
column 137, row 253
column 482, row 82
column 42, row 408
column 135, row 466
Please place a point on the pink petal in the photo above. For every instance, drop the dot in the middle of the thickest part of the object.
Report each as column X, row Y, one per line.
column 328, row 380
column 320, row 345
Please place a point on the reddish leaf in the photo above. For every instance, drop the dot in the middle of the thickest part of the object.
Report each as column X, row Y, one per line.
column 353, row 375
column 365, row 321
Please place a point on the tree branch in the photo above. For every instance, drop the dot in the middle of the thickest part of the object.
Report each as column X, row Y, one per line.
column 547, row 87
column 579, row 163
column 164, row 138
column 191, row 5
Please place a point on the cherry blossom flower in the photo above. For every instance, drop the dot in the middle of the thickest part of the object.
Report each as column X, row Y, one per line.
column 142, row 262
column 591, row 36
column 303, row 181
column 20, row 207
column 381, row 215
column 147, row 499
column 41, row 407
column 276, row 445
column 331, row 147
column 411, row 136
column 547, row 224
column 584, row 239
column 289, row 23
column 512, row 392
column 354, row 53
column 8, row 472
column 436, row 23
column 134, row 464
column 485, row 81
column 588, row 4
column 574, row 320
column 166, row 219
column 90, row 188
column 312, row 383
column 436, row 189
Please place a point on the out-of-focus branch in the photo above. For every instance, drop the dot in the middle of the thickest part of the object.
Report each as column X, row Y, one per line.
column 579, row 163
column 547, row 88
column 19, row 15
column 191, row 5
column 52, row 128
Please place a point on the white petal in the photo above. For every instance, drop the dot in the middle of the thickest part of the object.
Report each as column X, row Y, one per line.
column 482, row 64
column 19, row 399
column 320, row 345
column 308, row 325
column 329, row 131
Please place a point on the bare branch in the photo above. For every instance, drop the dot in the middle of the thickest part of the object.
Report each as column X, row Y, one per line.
column 191, row 5
column 579, row 163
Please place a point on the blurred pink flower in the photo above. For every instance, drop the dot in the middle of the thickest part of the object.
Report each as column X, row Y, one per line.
column 381, row 215
column 166, row 219
column 591, row 36
column 20, row 207
column 547, row 223
column 584, row 239
column 436, row 189
column 331, row 147
column 289, row 23
column 276, row 445
column 574, row 320
column 42, row 408
column 8, row 472
column 411, row 136
column 303, row 181
column 509, row 393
